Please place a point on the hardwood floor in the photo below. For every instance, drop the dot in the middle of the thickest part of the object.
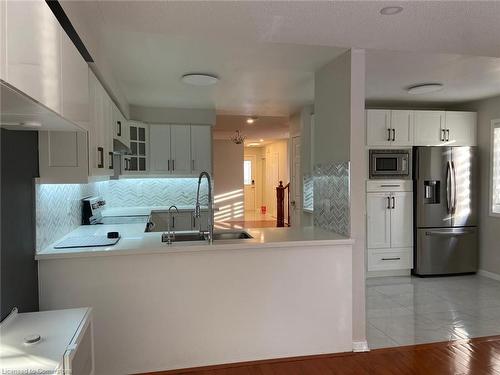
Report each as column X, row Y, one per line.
column 479, row 356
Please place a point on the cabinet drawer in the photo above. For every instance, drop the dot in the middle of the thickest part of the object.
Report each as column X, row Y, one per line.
column 390, row 259
column 377, row 186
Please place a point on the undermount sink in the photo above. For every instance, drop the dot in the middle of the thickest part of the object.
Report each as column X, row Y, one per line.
column 236, row 235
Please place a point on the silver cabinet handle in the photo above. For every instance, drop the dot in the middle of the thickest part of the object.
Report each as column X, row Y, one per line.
column 168, row 165
column 447, row 135
column 100, row 152
column 393, row 203
column 388, row 203
column 393, row 134
column 111, row 166
column 395, row 258
column 388, row 135
column 443, row 135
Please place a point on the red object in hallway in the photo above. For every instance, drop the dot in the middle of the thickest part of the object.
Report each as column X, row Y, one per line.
column 263, row 210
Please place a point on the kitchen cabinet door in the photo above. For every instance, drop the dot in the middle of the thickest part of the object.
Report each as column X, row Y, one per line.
column 401, row 219
column 201, row 149
column 402, row 128
column 428, row 128
column 138, row 161
column 159, row 146
column 461, row 128
column 378, row 127
column 75, row 83
column 180, row 149
column 63, row 157
column 33, row 45
column 378, row 220
column 108, row 130
column 120, row 126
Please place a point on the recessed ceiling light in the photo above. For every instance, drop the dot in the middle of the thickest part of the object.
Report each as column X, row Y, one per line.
column 261, row 140
column 251, row 120
column 390, row 11
column 424, row 88
column 199, row 79
column 253, row 144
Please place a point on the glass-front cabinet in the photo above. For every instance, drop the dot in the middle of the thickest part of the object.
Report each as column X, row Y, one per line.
column 137, row 161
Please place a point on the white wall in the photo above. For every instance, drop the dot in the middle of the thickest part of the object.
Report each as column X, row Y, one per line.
column 228, row 179
column 338, row 137
column 489, row 226
column 165, row 311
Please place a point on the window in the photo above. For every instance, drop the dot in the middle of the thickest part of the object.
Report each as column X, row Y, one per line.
column 495, row 168
column 247, row 172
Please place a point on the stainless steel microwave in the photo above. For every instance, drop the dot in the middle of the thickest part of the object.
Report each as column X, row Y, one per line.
column 390, row 164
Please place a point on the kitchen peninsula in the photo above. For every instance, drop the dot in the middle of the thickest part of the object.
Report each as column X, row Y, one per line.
column 284, row 292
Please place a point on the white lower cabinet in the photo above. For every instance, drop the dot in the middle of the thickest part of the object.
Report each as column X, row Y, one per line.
column 389, row 225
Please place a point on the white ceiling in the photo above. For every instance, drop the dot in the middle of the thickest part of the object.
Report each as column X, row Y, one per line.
column 266, row 51
column 268, row 128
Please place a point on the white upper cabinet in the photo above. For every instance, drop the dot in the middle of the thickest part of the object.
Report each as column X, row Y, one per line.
column 429, row 128
column 180, row 149
column 402, row 127
column 201, row 149
column 389, row 127
column 75, row 83
column 461, row 128
column 159, row 145
column 120, row 126
column 33, row 51
column 378, row 127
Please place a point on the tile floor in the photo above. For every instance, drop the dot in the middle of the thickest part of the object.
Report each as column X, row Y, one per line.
column 412, row 310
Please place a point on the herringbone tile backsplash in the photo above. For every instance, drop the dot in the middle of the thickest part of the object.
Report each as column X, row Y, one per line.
column 332, row 197
column 58, row 206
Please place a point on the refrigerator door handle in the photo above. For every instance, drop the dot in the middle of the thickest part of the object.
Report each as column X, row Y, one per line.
column 448, row 187
column 454, row 188
column 448, row 233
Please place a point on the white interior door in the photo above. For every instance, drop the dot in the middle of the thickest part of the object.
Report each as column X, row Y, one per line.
column 272, row 181
column 249, row 166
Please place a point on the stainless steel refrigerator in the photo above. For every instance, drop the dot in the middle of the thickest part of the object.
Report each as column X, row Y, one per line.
column 445, row 199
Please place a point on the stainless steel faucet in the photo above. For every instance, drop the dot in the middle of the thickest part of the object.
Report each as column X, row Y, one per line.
column 169, row 235
column 197, row 212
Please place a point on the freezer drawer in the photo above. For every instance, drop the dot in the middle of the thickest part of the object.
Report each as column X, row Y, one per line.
column 443, row 251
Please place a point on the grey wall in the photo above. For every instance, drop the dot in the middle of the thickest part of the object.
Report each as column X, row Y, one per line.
column 172, row 115
column 339, row 137
column 489, row 226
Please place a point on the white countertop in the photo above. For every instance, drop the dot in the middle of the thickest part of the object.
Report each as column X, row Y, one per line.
column 135, row 241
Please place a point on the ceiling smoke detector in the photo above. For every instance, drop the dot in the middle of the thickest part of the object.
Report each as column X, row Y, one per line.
column 200, row 79
column 391, row 11
column 424, row 88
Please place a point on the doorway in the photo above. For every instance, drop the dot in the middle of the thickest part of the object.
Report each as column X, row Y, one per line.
column 249, row 166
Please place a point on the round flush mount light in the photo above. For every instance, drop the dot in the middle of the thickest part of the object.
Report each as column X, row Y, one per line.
column 424, row 88
column 251, row 120
column 390, row 11
column 200, row 79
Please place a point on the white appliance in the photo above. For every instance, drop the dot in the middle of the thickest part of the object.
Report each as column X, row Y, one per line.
column 47, row 342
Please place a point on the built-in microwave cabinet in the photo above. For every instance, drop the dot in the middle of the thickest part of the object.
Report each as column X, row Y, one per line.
column 386, row 127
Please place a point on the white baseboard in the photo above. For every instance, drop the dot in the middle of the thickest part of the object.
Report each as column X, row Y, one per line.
column 489, row 275
column 360, row 346
column 370, row 274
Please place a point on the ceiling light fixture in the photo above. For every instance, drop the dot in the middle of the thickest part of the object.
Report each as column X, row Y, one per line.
column 253, row 144
column 391, row 11
column 261, row 140
column 200, row 79
column 424, row 88
column 251, row 120
column 238, row 138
